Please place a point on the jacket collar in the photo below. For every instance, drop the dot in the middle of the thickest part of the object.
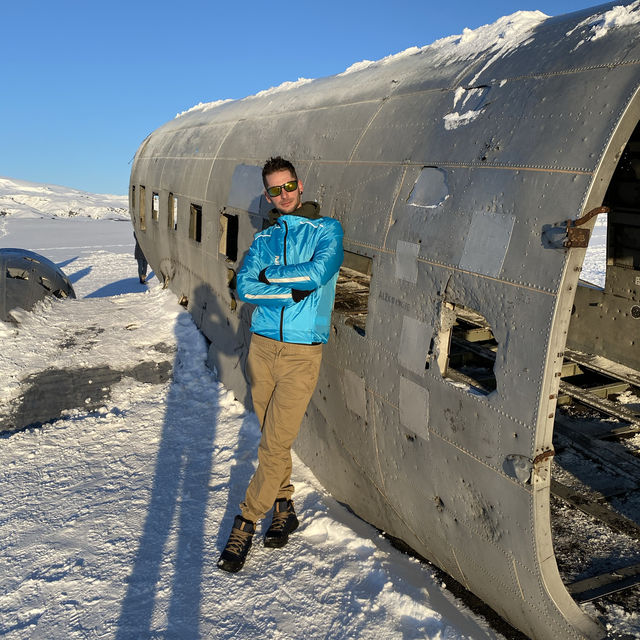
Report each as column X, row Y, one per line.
column 309, row 209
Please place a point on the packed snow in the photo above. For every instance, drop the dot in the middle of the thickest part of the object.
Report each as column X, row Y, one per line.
column 598, row 26
column 499, row 38
column 595, row 264
column 114, row 515
column 496, row 40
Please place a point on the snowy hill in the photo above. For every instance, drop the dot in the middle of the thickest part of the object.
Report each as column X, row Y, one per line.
column 30, row 199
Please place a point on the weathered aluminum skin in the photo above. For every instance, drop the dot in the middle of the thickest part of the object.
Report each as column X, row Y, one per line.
column 466, row 216
column 26, row 278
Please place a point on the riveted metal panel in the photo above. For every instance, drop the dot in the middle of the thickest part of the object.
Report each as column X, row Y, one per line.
column 487, row 243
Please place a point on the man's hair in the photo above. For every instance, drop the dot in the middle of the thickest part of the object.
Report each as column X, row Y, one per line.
column 277, row 164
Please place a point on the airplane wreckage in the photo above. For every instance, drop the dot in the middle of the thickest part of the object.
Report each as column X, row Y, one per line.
column 467, row 183
column 27, row 277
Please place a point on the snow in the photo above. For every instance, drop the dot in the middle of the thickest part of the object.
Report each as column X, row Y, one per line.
column 285, row 86
column 499, row 38
column 365, row 64
column 455, row 119
column 600, row 24
column 204, row 106
column 34, row 200
column 114, row 514
column 595, row 262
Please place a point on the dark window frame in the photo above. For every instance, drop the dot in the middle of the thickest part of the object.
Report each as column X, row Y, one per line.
column 195, row 222
column 353, row 289
column 172, row 212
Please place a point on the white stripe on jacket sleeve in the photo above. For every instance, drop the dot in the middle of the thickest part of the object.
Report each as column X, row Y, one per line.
column 272, row 296
column 296, row 279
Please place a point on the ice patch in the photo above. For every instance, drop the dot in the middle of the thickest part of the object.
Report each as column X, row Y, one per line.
column 455, row 120
column 460, row 91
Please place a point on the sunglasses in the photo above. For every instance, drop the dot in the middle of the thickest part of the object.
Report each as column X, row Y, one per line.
column 274, row 192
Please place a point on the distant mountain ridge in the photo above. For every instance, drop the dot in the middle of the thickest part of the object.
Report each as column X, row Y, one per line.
column 25, row 199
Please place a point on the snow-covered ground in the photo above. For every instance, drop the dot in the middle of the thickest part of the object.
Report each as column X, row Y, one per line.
column 114, row 515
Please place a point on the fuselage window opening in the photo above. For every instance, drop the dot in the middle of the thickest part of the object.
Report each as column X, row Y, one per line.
column 467, row 349
column 595, row 260
column 141, row 208
column 155, row 206
column 229, row 236
column 17, row 273
column 352, row 290
column 172, row 212
column 133, row 198
column 195, row 222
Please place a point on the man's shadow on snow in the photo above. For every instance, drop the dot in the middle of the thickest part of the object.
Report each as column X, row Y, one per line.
column 126, row 285
column 180, row 493
column 246, row 448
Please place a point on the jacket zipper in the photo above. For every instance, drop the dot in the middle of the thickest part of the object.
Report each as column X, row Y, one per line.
column 286, row 232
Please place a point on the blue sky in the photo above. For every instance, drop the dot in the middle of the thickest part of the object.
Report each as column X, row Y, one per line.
column 83, row 83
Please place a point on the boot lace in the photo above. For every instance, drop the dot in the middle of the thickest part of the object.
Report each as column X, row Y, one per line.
column 279, row 521
column 237, row 541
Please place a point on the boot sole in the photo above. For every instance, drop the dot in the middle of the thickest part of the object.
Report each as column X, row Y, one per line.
column 275, row 543
column 230, row 566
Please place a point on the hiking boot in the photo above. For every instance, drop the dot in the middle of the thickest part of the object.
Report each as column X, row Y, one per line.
column 238, row 545
column 283, row 523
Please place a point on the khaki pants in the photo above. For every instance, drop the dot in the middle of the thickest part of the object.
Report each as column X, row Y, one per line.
column 283, row 377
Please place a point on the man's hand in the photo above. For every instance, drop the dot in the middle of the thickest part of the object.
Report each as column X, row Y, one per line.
column 298, row 295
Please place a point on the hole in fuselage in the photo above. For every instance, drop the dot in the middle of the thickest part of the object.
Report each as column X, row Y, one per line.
column 467, row 352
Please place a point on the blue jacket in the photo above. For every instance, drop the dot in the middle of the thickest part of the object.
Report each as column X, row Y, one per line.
column 300, row 251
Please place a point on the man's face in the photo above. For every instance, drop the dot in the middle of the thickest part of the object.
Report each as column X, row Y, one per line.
column 287, row 201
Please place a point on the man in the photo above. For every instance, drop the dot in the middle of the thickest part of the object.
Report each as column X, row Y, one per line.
column 290, row 274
